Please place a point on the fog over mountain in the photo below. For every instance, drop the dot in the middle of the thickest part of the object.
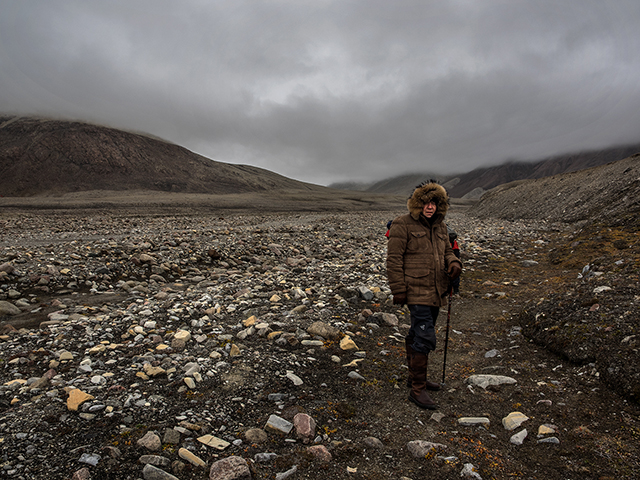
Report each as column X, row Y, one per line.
column 479, row 180
column 333, row 91
column 45, row 157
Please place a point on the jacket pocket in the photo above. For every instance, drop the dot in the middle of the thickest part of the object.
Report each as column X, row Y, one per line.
column 417, row 242
column 418, row 282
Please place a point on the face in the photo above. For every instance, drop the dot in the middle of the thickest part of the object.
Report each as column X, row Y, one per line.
column 429, row 209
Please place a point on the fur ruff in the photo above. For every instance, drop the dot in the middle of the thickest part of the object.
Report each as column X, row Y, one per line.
column 425, row 193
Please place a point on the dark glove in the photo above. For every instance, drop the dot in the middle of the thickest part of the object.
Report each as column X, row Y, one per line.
column 400, row 299
column 454, row 270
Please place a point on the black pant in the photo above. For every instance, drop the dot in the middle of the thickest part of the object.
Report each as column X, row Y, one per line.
column 423, row 327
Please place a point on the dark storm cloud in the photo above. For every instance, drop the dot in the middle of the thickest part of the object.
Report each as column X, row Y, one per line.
column 327, row 91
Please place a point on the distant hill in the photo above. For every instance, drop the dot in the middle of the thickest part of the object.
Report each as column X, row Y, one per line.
column 49, row 157
column 608, row 193
column 476, row 182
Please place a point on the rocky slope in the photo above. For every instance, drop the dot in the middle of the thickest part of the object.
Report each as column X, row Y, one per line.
column 609, row 194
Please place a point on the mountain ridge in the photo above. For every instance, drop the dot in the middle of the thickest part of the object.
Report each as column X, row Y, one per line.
column 45, row 157
column 474, row 183
column 41, row 156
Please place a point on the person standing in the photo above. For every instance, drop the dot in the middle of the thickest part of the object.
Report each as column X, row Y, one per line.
column 420, row 265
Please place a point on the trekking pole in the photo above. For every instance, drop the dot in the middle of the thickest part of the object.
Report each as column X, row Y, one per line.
column 446, row 339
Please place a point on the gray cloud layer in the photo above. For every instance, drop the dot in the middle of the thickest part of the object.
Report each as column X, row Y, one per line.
column 325, row 90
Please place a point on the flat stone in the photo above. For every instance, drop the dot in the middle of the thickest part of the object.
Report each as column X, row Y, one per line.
column 90, row 459
column 473, row 421
column 76, row 398
column 437, row 417
column 155, row 460
column 514, row 420
column 215, row 442
column 347, row 344
column 150, row 472
column 373, row 442
column 470, row 471
column 65, row 356
column 549, row 440
column 190, row 457
column 182, row 335
column 519, row 437
column 383, row 318
column 484, row 381
column 276, row 424
column 82, row 474
column 190, row 382
column 252, row 320
column 546, row 429
column 286, row 474
column 153, row 371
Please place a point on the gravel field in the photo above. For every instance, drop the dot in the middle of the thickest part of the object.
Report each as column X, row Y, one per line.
column 234, row 345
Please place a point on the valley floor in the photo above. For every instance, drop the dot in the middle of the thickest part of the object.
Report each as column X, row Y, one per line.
column 103, row 300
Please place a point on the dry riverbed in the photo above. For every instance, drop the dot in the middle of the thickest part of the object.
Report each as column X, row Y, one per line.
column 198, row 345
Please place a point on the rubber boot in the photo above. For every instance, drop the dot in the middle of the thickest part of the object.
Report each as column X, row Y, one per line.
column 418, row 394
column 434, row 387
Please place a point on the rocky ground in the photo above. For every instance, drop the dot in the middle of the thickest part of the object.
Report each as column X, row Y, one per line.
column 266, row 346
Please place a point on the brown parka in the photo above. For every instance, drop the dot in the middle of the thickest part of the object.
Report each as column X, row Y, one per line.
column 418, row 250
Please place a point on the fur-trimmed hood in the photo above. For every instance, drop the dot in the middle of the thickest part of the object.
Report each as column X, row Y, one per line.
column 423, row 194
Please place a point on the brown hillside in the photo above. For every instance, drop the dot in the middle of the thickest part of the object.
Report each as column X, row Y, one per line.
column 45, row 157
column 490, row 177
column 607, row 194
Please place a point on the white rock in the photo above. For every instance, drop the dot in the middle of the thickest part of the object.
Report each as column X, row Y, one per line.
column 484, row 381
column 519, row 437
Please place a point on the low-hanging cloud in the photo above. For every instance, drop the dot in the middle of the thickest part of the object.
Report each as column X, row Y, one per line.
column 326, row 91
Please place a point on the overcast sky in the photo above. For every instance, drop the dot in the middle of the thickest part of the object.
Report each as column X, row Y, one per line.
column 325, row 91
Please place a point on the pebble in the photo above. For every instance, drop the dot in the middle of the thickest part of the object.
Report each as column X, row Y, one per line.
column 473, row 421
column 421, row 448
column 150, row 441
column 549, row 440
column 215, row 442
column 514, row 420
column 470, row 471
column 320, row 453
column 287, row 474
column 90, row 459
column 230, row 468
column 518, row 438
column 305, row 427
column 276, row 424
column 155, row 460
column 150, row 472
column 190, row 457
column 8, row 308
